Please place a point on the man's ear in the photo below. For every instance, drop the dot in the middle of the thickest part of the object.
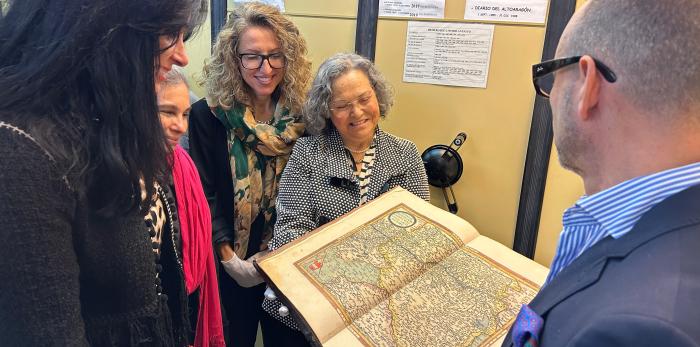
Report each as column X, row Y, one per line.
column 590, row 88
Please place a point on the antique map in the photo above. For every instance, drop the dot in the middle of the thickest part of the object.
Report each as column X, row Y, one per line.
column 404, row 280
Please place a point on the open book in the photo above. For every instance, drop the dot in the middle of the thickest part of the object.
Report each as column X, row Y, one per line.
column 399, row 271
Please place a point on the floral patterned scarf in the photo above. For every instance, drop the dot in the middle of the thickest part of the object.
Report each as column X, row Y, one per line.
column 258, row 154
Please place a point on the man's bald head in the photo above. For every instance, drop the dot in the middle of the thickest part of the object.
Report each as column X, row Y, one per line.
column 652, row 45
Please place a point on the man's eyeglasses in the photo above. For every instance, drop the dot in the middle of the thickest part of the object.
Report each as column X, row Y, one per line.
column 342, row 108
column 543, row 79
column 254, row 61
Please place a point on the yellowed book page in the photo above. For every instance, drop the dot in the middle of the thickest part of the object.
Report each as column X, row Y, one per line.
column 517, row 263
column 397, row 273
column 523, row 277
column 344, row 338
column 311, row 299
column 469, row 298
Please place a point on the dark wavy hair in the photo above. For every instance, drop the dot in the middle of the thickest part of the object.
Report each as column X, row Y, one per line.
column 79, row 75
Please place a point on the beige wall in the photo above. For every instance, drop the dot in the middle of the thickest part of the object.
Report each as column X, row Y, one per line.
column 327, row 26
column 562, row 190
column 198, row 49
column 497, row 119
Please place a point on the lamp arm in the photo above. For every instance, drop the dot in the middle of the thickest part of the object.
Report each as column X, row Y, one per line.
column 451, row 204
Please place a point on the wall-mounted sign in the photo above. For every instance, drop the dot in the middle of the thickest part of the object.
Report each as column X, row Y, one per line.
column 412, row 8
column 455, row 54
column 277, row 3
column 521, row 11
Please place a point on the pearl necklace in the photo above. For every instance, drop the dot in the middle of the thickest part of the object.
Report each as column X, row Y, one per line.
column 362, row 151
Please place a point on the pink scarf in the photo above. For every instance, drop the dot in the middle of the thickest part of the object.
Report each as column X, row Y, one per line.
column 198, row 256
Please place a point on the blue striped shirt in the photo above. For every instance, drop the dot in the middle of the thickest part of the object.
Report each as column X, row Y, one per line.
column 614, row 211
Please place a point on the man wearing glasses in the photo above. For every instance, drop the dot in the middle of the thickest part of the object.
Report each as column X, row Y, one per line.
column 625, row 97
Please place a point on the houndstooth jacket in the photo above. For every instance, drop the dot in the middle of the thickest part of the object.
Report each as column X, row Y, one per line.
column 318, row 185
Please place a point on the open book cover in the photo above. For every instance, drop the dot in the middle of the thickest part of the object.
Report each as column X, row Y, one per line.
column 399, row 271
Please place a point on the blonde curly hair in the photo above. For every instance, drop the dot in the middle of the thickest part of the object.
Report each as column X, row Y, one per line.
column 222, row 77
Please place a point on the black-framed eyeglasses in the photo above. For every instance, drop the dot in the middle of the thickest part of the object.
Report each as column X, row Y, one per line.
column 543, row 79
column 253, row 61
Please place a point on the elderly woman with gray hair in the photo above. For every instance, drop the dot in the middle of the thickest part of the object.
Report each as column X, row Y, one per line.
column 348, row 161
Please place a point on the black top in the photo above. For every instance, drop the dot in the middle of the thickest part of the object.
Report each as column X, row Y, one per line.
column 209, row 151
column 182, row 307
column 69, row 276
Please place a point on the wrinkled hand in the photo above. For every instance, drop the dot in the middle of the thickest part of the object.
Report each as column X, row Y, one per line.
column 243, row 271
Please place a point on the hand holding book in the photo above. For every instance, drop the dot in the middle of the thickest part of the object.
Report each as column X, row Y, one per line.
column 387, row 274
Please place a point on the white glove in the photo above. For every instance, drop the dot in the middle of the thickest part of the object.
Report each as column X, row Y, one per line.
column 243, row 271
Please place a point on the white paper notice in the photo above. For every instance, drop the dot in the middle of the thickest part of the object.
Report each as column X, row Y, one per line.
column 277, row 3
column 412, row 8
column 522, row 11
column 455, row 54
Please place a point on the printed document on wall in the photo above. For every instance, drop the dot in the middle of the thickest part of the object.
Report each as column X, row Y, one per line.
column 277, row 3
column 520, row 11
column 454, row 54
column 412, row 8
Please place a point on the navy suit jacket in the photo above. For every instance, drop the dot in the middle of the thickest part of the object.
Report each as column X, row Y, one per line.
column 642, row 289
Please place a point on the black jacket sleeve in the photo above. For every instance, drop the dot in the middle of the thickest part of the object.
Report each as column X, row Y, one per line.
column 39, row 270
column 632, row 330
column 209, row 151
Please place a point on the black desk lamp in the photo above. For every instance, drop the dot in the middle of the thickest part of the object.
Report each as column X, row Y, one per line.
column 444, row 167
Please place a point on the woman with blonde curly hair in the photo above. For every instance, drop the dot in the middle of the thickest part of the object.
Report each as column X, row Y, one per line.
column 240, row 140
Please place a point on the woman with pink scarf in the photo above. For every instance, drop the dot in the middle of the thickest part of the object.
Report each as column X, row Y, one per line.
column 179, row 223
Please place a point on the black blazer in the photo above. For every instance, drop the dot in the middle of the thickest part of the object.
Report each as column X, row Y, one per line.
column 640, row 290
column 209, row 151
column 70, row 277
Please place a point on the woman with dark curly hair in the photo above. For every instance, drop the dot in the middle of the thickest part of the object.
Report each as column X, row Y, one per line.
column 81, row 150
column 240, row 140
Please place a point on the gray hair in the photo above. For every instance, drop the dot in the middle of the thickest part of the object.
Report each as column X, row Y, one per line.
column 652, row 45
column 317, row 107
column 176, row 76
